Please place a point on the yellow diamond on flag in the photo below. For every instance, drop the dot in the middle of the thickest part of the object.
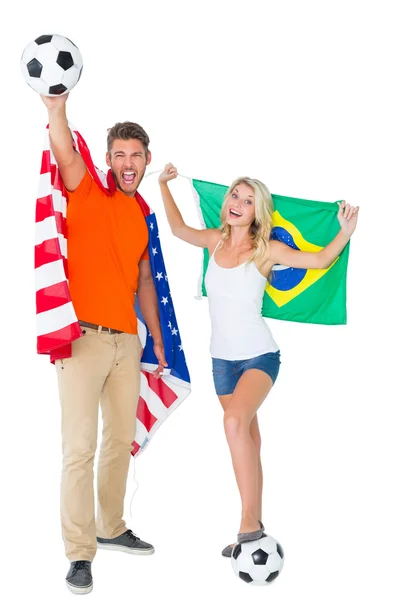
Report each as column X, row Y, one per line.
column 294, row 281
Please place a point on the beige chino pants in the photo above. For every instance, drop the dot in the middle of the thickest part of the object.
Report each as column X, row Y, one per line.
column 104, row 369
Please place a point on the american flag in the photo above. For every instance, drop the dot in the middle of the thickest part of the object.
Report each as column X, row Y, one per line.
column 57, row 323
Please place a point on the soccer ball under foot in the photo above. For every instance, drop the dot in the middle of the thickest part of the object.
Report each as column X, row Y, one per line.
column 258, row 562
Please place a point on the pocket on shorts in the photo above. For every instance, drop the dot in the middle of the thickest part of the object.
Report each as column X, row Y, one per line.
column 218, row 367
column 274, row 356
column 274, row 365
column 219, row 370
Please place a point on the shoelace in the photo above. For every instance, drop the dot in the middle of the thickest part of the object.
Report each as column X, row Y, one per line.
column 82, row 565
column 131, row 535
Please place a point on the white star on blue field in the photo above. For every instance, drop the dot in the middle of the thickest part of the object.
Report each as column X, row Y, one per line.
column 174, row 353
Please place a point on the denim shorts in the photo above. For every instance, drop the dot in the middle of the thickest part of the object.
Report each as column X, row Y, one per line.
column 226, row 373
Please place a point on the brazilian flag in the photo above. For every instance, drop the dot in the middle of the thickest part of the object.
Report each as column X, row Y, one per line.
column 304, row 295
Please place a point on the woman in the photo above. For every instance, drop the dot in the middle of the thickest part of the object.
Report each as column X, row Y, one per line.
column 244, row 354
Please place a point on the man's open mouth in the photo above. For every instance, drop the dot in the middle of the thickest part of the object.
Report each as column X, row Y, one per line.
column 128, row 176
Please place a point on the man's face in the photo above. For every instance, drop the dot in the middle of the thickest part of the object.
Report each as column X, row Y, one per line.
column 127, row 160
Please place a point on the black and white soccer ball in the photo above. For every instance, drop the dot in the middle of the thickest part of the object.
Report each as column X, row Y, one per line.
column 258, row 562
column 51, row 65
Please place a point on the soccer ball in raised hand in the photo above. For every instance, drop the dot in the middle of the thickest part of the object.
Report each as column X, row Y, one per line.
column 51, row 65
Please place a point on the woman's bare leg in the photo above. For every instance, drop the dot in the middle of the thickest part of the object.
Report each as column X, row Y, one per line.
column 242, row 433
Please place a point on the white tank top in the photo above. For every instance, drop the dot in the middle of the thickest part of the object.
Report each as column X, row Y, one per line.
column 235, row 299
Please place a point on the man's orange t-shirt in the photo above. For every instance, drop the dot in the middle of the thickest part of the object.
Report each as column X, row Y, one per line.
column 107, row 238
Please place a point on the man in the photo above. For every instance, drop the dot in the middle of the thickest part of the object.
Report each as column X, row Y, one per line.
column 108, row 263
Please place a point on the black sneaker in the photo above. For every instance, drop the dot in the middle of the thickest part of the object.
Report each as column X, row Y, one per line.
column 79, row 577
column 126, row 542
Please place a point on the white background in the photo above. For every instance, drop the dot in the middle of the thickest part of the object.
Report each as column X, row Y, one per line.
column 304, row 96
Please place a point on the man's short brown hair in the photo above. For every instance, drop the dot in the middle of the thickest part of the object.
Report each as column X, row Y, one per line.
column 127, row 131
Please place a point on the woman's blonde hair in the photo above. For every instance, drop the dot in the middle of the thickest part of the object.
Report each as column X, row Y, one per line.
column 260, row 228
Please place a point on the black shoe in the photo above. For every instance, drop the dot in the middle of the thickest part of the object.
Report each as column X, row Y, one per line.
column 79, row 577
column 126, row 542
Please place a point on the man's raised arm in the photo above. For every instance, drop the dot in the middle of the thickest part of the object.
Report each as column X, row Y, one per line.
column 70, row 162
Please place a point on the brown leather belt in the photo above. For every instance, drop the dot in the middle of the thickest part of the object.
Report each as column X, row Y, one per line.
column 99, row 328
